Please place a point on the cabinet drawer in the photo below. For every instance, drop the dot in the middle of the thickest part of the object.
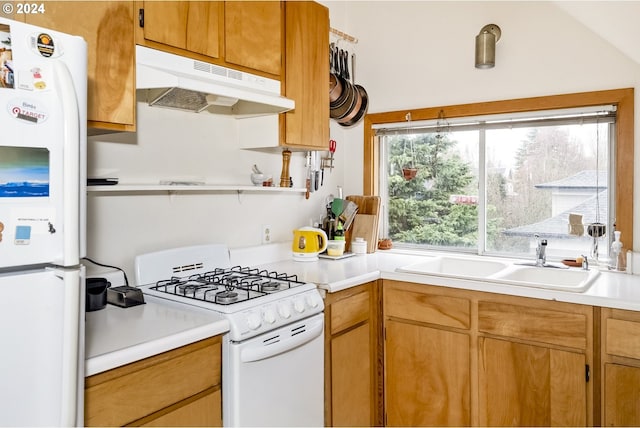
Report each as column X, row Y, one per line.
column 622, row 338
column 128, row 393
column 350, row 311
column 533, row 323
column 413, row 304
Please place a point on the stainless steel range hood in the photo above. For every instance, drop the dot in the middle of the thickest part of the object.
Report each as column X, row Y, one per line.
column 173, row 81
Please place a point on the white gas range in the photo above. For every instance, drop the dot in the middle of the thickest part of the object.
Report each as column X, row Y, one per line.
column 273, row 355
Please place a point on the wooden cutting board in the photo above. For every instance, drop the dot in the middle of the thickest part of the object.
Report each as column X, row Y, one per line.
column 366, row 226
column 367, row 205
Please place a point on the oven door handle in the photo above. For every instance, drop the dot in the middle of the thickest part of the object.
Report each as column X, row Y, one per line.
column 262, row 352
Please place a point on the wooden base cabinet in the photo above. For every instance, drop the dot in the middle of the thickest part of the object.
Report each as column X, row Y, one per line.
column 528, row 385
column 181, row 387
column 426, row 356
column 350, row 357
column 620, row 368
column 457, row 358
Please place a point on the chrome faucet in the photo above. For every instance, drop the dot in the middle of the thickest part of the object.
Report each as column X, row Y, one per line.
column 541, row 251
column 585, row 263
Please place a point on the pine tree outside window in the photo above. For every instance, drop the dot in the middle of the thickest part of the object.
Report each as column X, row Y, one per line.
column 488, row 184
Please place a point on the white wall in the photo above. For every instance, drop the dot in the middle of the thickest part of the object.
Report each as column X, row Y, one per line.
column 171, row 144
column 410, row 55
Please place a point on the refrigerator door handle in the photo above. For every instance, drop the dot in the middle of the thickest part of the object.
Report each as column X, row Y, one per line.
column 71, row 352
column 71, row 159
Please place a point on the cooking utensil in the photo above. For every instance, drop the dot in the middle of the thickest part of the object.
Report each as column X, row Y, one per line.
column 337, row 207
column 332, row 150
column 360, row 109
column 342, row 107
column 308, row 179
column 348, row 213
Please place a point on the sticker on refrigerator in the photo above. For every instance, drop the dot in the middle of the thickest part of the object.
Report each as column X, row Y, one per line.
column 23, row 235
column 1, row 230
column 7, row 75
column 27, row 110
column 24, row 172
column 44, row 45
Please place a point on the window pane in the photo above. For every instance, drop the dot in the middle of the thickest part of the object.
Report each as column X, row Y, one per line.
column 536, row 177
column 432, row 187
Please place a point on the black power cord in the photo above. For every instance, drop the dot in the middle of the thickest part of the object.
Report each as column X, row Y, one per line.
column 126, row 280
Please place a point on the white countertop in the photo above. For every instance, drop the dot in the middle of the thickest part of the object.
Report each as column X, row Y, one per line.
column 117, row 336
column 610, row 289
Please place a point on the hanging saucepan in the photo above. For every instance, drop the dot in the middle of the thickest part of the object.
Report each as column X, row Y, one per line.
column 335, row 83
column 357, row 114
column 344, row 82
column 344, row 104
column 359, row 110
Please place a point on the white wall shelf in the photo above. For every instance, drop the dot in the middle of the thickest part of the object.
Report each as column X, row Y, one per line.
column 186, row 188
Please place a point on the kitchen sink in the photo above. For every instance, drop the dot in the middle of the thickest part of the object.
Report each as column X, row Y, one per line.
column 456, row 267
column 576, row 280
column 505, row 272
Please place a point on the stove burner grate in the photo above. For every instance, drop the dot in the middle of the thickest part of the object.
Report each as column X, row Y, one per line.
column 237, row 284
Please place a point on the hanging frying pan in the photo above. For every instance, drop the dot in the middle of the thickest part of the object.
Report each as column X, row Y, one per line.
column 345, row 102
column 360, row 108
column 335, row 83
column 357, row 114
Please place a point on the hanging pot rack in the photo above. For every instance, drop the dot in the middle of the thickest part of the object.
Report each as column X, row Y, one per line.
column 343, row 36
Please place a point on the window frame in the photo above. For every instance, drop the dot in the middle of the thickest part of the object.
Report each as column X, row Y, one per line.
column 623, row 99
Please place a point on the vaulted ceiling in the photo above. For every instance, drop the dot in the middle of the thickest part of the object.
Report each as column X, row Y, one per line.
column 614, row 21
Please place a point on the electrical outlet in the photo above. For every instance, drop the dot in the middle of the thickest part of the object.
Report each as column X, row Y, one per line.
column 266, row 234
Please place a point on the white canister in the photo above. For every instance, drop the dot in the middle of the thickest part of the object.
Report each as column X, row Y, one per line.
column 359, row 246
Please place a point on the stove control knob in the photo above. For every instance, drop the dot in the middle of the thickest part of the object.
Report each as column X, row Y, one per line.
column 253, row 321
column 298, row 305
column 312, row 301
column 269, row 316
column 284, row 310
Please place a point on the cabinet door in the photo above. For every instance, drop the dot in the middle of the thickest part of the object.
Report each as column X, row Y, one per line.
column 427, row 376
column 307, row 75
column 204, row 411
column 253, row 35
column 527, row 385
column 351, row 386
column 108, row 28
column 621, row 395
column 190, row 25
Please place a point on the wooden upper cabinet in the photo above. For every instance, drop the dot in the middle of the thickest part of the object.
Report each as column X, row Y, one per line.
column 108, row 28
column 190, row 25
column 306, row 75
column 253, row 35
column 238, row 34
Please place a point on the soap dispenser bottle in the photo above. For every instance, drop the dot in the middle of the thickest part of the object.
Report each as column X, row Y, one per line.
column 617, row 257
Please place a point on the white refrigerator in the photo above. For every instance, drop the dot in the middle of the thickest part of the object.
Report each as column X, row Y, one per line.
column 43, row 98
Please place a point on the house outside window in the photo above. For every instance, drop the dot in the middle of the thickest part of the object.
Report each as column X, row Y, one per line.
column 491, row 184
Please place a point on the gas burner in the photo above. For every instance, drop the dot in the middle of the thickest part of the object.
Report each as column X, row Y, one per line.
column 229, row 285
column 270, row 286
column 226, row 297
column 184, row 288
